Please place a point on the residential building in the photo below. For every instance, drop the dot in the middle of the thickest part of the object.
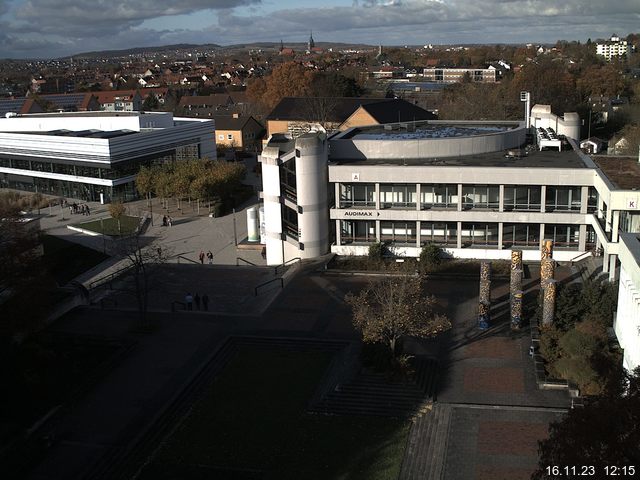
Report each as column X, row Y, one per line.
column 613, row 48
column 236, row 131
column 120, row 100
column 455, row 75
column 95, row 155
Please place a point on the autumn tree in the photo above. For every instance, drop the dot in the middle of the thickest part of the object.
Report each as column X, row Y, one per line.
column 606, row 80
column 117, row 210
column 394, row 307
column 288, row 79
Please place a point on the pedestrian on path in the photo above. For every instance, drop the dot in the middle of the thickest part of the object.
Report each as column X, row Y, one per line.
column 196, row 300
column 205, row 302
column 201, row 257
column 188, row 299
column 170, row 221
column 164, row 221
column 88, row 210
column 210, row 257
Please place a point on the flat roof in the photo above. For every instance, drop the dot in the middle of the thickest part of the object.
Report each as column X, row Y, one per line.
column 533, row 159
column 624, row 172
column 84, row 133
column 408, row 132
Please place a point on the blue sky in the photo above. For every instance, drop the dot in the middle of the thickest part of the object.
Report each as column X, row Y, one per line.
column 53, row 28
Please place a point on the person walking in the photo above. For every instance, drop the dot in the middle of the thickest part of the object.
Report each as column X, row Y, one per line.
column 88, row 211
column 210, row 257
column 170, row 221
column 164, row 221
column 201, row 257
column 188, row 299
column 196, row 300
column 205, row 302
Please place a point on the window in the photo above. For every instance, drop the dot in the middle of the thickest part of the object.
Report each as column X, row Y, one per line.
column 288, row 179
column 479, row 234
column 480, row 196
column 563, row 199
column 592, row 200
column 357, row 231
column 439, row 233
column 521, row 235
column 221, row 137
column 522, row 197
column 290, row 222
column 397, row 196
column 402, row 233
column 563, row 235
column 357, row 195
column 229, row 136
column 439, row 196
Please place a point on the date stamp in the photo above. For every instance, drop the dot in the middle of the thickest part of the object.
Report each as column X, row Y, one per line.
column 607, row 471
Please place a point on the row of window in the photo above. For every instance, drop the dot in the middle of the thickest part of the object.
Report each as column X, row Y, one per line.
column 118, row 170
column 471, row 234
column 445, row 196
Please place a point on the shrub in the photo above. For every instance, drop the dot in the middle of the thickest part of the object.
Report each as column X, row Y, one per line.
column 430, row 258
column 376, row 251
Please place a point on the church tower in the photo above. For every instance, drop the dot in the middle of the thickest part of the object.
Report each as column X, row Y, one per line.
column 311, row 43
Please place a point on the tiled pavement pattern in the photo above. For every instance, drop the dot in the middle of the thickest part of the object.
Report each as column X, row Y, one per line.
column 489, row 413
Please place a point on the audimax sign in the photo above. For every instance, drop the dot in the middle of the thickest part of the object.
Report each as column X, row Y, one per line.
column 361, row 213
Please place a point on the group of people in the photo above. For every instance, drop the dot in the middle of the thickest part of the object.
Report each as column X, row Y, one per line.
column 167, row 221
column 82, row 209
column 189, row 300
column 209, row 257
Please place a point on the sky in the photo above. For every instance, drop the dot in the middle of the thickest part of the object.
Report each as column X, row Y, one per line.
column 57, row 28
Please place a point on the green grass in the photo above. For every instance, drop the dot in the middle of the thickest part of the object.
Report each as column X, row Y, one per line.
column 252, row 419
column 128, row 225
column 66, row 260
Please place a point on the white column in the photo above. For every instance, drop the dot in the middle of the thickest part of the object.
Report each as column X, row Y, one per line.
column 612, row 267
column 417, row 196
column 584, row 199
column 501, row 202
column 377, row 194
column 582, row 241
column 615, row 226
column 459, row 235
column 543, row 200
column 338, row 233
column 500, row 228
column 459, row 197
column 418, row 225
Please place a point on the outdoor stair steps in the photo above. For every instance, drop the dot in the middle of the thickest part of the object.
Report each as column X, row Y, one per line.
column 427, row 445
column 371, row 394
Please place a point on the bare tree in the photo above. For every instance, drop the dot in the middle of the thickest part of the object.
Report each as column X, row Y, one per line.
column 144, row 263
column 394, row 307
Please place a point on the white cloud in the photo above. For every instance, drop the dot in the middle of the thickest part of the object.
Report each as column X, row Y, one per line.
column 80, row 25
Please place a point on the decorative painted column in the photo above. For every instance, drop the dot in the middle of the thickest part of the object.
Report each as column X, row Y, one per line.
column 547, row 271
column 515, row 288
column 516, row 310
column 549, row 302
column 484, row 301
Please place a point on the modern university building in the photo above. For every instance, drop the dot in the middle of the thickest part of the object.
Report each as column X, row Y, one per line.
column 476, row 189
column 95, row 156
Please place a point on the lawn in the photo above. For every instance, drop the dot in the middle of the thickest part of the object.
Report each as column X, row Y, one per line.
column 128, row 225
column 251, row 423
column 66, row 260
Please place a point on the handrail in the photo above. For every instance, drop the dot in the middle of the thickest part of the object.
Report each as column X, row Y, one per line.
column 583, row 254
column 187, row 259
column 238, row 259
column 108, row 278
column 282, row 265
column 255, row 290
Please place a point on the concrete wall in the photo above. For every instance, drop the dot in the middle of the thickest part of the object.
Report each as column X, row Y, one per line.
column 397, row 148
column 627, row 323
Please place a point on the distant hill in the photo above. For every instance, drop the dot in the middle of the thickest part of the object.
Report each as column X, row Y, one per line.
column 138, row 50
column 212, row 46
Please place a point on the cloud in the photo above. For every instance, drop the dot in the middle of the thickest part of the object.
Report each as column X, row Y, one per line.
column 80, row 25
column 85, row 16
